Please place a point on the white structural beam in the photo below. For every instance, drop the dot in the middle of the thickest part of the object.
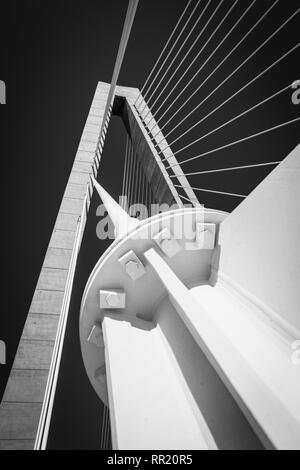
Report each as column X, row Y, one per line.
column 149, row 408
column 253, row 361
column 121, row 220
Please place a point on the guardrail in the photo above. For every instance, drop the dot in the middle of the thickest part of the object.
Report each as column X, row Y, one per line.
column 45, row 418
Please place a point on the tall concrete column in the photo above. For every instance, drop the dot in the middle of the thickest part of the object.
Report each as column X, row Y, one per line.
column 22, row 401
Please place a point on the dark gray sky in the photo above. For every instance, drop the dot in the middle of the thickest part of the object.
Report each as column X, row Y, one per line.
column 52, row 55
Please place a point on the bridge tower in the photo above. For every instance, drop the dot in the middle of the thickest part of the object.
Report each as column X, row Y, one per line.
column 188, row 320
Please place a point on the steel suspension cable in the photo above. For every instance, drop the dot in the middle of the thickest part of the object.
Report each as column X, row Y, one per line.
column 142, row 188
column 266, row 131
column 219, row 65
column 220, row 170
column 127, row 172
column 135, row 177
column 193, row 61
column 108, row 431
column 235, row 118
column 102, row 429
column 176, row 55
column 211, row 191
column 139, row 182
column 188, row 52
column 232, row 96
column 171, row 50
column 186, row 199
column 162, row 52
column 106, row 427
column 130, row 174
column 124, row 172
column 199, row 70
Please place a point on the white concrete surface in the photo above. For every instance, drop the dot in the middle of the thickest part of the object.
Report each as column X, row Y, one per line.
column 148, row 405
column 259, row 249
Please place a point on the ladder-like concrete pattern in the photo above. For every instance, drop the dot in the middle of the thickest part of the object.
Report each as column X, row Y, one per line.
column 22, row 401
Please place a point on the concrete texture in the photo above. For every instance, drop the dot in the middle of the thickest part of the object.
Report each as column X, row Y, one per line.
column 21, row 405
column 22, row 401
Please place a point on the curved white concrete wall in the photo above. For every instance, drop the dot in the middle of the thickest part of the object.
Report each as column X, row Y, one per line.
column 259, row 243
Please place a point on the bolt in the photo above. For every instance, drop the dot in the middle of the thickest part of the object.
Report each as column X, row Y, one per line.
column 169, row 246
column 164, row 242
column 131, row 268
column 112, row 300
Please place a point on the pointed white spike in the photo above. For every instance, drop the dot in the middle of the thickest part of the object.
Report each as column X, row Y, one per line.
column 123, row 223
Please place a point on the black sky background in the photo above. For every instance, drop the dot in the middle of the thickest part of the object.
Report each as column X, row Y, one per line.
column 52, row 55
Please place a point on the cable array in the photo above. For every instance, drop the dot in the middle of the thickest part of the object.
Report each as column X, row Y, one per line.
column 203, row 34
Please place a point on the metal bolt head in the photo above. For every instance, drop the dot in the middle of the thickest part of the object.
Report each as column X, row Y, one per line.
column 132, row 265
column 167, row 243
column 131, row 268
column 164, row 243
column 112, row 299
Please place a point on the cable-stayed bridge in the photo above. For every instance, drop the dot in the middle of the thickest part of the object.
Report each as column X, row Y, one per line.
column 189, row 320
